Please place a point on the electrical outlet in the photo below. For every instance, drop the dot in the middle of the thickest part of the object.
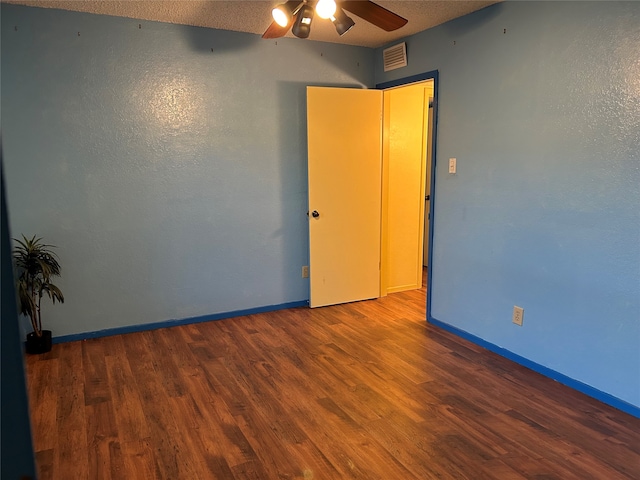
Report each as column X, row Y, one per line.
column 305, row 271
column 452, row 165
column 518, row 315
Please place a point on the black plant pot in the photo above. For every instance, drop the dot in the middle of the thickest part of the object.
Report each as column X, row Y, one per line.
column 36, row 344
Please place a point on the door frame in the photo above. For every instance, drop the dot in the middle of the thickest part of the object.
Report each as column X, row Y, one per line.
column 422, row 77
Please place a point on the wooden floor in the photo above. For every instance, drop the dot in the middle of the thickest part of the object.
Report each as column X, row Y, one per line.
column 365, row 390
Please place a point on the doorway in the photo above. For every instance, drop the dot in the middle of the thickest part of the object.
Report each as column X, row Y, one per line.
column 328, row 278
column 430, row 181
column 406, row 185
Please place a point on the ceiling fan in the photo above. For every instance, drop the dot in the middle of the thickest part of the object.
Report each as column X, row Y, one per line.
column 298, row 14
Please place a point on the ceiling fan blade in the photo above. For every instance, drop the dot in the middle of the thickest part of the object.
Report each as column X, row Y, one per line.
column 275, row 30
column 374, row 13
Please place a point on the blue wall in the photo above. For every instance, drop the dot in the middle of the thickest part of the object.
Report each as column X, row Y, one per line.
column 544, row 211
column 167, row 163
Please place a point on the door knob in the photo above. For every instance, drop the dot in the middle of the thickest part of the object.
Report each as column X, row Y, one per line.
column 315, row 214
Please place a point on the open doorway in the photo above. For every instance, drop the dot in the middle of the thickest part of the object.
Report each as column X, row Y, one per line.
column 401, row 217
column 407, row 154
column 429, row 80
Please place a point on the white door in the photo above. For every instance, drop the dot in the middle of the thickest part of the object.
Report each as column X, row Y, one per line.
column 344, row 130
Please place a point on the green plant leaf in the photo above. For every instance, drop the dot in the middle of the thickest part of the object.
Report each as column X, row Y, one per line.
column 52, row 292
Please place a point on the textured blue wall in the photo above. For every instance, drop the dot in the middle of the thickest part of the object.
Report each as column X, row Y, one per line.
column 544, row 211
column 167, row 163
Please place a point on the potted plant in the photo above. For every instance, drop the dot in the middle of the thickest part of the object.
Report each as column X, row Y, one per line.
column 36, row 264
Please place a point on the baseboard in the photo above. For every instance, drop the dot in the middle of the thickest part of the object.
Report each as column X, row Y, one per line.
column 403, row 288
column 172, row 323
column 547, row 372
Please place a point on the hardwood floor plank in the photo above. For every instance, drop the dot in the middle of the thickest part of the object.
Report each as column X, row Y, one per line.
column 140, row 461
column 43, row 388
column 202, row 428
column 203, row 444
column 251, row 470
column 130, row 418
column 359, row 455
column 71, row 451
column 44, row 462
column 416, row 455
column 96, row 388
column 164, row 362
column 275, row 455
column 102, row 434
column 170, row 449
column 219, row 431
column 116, row 461
column 312, row 462
column 366, row 390
column 70, row 365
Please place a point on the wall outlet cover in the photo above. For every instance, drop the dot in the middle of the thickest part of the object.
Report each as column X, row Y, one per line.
column 518, row 315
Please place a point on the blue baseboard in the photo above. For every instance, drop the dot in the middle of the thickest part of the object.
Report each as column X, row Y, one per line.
column 547, row 372
column 172, row 323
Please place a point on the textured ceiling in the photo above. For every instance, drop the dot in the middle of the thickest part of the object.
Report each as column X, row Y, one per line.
column 255, row 16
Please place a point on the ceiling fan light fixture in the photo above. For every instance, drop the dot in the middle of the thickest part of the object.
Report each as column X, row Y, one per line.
column 326, row 8
column 302, row 26
column 342, row 22
column 282, row 15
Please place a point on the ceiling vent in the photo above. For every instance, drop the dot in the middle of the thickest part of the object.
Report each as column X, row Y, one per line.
column 395, row 57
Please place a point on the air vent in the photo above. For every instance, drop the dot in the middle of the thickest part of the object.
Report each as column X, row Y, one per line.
column 395, row 57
